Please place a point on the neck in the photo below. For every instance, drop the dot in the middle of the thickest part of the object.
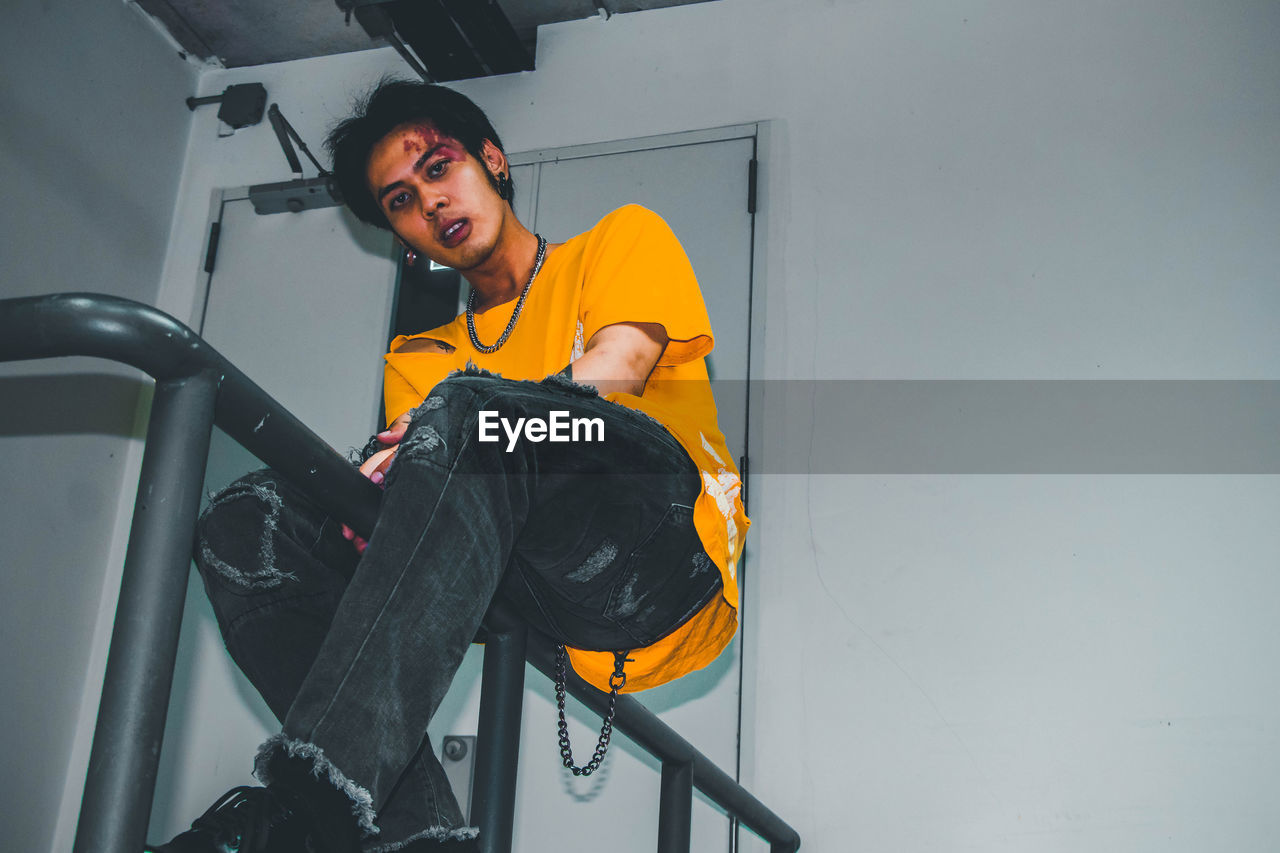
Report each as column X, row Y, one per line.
column 503, row 275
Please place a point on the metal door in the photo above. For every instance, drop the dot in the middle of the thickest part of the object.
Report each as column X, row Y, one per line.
column 699, row 184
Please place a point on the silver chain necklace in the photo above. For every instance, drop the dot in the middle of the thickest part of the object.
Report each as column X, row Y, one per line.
column 515, row 315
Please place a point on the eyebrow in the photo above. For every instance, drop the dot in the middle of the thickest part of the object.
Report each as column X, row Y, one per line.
column 417, row 164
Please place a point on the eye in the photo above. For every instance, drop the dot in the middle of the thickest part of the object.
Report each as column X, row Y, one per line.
column 437, row 168
column 398, row 200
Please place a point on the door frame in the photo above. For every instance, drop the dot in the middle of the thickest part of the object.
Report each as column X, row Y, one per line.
column 764, row 136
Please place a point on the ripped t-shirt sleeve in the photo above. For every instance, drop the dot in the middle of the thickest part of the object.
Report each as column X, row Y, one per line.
column 635, row 270
column 413, row 366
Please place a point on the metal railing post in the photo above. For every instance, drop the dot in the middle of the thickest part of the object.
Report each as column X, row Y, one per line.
column 498, row 744
column 675, row 807
column 144, row 642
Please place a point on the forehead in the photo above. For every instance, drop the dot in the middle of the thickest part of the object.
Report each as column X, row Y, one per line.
column 395, row 154
column 416, row 137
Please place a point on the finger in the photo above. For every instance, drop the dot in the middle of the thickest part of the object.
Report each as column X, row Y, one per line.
column 360, row 544
column 375, row 461
column 393, row 433
column 380, row 472
column 348, row 533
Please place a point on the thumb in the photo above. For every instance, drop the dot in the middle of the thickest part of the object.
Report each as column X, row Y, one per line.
column 393, row 433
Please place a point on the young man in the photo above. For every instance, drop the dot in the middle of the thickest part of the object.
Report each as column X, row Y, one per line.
column 555, row 445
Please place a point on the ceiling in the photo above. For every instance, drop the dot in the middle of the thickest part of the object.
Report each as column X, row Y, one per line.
column 236, row 33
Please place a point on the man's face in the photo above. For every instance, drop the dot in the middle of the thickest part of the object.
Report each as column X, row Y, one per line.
column 438, row 198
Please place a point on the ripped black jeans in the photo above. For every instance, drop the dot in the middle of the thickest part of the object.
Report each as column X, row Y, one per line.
column 592, row 540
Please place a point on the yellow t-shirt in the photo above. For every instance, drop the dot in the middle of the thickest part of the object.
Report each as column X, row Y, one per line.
column 628, row 268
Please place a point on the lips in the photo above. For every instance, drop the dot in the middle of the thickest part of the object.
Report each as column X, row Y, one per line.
column 454, row 231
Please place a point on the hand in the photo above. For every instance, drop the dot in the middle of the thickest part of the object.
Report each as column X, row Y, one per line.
column 375, row 468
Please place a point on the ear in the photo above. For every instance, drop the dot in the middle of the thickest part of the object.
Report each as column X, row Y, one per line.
column 494, row 159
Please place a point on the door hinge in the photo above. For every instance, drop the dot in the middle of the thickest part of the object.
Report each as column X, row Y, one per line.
column 751, row 185
column 211, row 254
column 742, row 477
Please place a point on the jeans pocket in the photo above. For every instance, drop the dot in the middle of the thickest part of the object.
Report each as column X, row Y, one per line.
column 664, row 574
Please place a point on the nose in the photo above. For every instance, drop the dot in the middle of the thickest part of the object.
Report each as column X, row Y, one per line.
column 432, row 201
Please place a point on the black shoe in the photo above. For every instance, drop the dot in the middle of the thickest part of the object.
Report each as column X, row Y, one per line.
column 246, row 820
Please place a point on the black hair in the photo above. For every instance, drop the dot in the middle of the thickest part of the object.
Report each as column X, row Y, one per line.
column 390, row 104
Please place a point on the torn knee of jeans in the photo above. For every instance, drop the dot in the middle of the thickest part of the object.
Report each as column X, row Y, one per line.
column 560, row 380
column 261, row 570
column 428, row 405
column 358, row 457
column 472, row 370
column 595, row 563
column 422, row 439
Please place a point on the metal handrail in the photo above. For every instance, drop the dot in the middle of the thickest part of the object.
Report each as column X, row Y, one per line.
column 196, row 387
column 122, row 330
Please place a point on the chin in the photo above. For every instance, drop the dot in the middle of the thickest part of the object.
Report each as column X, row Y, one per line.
column 473, row 253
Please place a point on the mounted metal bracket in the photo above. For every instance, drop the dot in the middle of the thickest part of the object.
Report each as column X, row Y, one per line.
column 458, row 756
column 295, row 196
column 242, row 104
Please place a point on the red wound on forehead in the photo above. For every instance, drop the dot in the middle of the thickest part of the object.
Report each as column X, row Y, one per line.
column 424, row 137
column 425, row 134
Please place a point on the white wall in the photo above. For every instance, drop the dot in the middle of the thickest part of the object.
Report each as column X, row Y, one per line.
column 90, row 159
column 961, row 190
column 990, row 190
